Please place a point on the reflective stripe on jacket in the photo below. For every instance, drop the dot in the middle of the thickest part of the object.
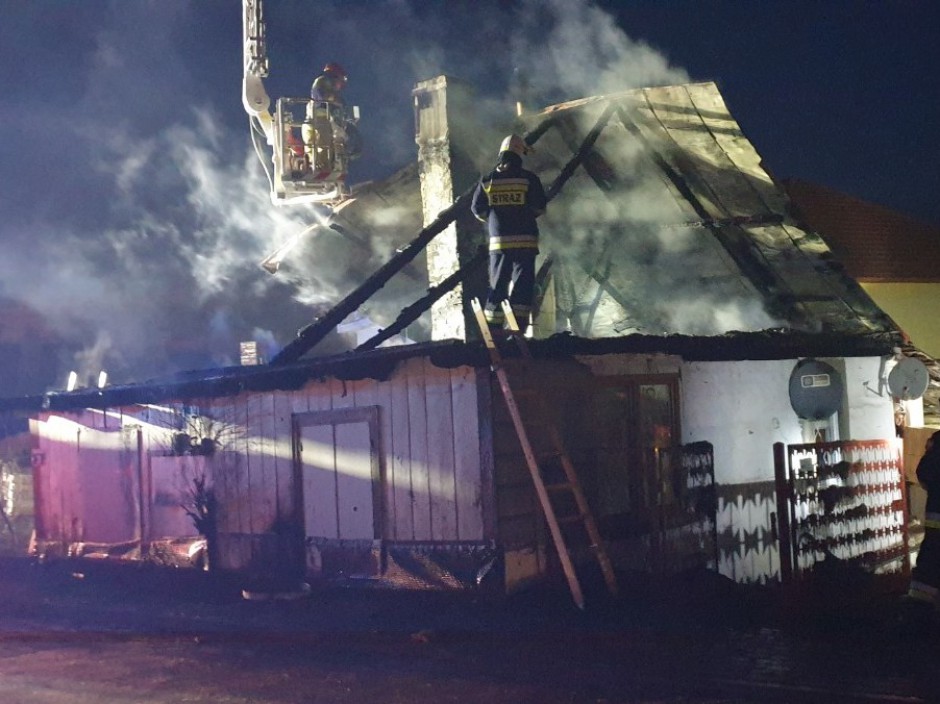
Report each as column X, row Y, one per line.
column 509, row 200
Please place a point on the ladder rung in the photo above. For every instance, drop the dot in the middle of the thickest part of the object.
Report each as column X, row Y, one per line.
column 574, row 518
column 563, row 486
column 549, row 455
column 525, row 513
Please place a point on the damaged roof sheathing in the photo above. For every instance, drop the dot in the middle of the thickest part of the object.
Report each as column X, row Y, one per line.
column 662, row 221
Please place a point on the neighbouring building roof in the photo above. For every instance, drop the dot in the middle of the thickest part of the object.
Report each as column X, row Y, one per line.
column 875, row 244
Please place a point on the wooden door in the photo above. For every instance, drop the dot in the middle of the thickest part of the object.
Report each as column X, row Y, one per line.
column 338, row 465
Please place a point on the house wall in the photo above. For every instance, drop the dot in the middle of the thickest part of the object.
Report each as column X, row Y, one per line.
column 85, row 479
column 619, row 474
column 449, row 472
column 428, row 456
column 743, row 408
column 541, row 390
column 913, row 306
column 870, row 414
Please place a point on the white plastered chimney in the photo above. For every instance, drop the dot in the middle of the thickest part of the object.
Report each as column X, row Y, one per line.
column 445, row 172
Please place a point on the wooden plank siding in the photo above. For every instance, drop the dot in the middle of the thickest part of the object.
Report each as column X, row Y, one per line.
column 468, row 487
column 399, row 513
column 418, row 475
column 427, row 445
column 86, row 480
column 422, row 451
column 283, row 456
column 440, row 467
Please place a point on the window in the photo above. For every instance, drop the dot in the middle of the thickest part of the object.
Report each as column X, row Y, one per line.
column 623, row 446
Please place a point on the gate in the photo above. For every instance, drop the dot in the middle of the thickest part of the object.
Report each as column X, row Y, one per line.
column 841, row 501
column 687, row 506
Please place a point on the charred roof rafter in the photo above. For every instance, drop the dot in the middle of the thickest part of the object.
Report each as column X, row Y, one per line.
column 312, row 334
column 411, row 313
column 605, row 177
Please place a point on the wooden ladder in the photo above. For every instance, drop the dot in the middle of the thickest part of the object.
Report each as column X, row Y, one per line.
column 536, row 461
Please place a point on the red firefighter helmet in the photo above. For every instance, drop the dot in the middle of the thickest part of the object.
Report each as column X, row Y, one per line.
column 334, row 69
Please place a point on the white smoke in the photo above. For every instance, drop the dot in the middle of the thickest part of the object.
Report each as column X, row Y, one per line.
column 574, row 49
column 150, row 212
column 707, row 314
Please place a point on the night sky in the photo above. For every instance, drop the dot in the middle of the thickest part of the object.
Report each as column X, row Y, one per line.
column 134, row 213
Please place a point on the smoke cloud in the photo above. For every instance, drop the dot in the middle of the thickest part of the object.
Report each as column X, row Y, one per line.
column 138, row 212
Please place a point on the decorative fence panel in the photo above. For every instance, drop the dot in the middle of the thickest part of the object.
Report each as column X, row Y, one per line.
column 843, row 502
column 683, row 534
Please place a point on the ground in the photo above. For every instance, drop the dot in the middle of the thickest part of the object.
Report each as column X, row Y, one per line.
column 90, row 631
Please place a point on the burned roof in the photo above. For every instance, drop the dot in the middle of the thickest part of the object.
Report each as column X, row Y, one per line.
column 672, row 225
column 662, row 221
column 380, row 363
column 664, row 235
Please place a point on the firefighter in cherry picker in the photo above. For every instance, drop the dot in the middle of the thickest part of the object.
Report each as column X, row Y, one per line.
column 326, row 109
column 509, row 200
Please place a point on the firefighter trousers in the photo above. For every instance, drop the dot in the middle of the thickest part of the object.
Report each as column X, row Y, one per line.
column 925, row 577
column 512, row 276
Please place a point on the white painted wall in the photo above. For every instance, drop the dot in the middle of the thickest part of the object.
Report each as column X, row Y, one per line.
column 742, row 408
column 869, row 412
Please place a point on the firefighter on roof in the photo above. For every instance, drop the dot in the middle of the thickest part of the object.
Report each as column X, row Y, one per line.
column 508, row 200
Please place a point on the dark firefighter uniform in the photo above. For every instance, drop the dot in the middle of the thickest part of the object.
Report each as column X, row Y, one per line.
column 925, row 577
column 508, row 200
column 327, row 107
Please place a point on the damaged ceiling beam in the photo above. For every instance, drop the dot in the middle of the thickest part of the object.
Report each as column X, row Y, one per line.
column 312, row 334
column 597, row 167
column 541, row 276
column 309, row 336
column 603, row 282
column 586, row 148
column 411, row 313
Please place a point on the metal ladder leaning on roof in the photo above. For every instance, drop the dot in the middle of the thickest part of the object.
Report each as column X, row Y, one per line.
column 537, row 459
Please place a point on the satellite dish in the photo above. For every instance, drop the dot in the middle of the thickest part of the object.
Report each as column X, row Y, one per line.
column 908, row 380
column 815, row 390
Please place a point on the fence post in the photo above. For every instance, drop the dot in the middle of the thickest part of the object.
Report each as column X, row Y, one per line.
column 784, row 499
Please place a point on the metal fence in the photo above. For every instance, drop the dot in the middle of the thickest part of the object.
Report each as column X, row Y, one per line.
column 843, row 503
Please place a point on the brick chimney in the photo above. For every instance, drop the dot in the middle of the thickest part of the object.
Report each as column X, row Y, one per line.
column 446, row 169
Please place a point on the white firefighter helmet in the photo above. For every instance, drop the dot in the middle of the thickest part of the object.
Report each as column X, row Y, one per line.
column 515, row 144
